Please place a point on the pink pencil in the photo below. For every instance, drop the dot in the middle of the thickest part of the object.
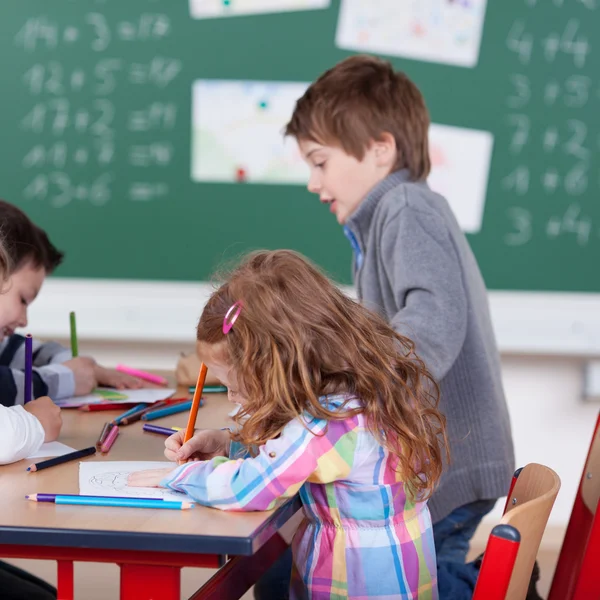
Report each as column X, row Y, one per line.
column 142, row 375
column 110, row 440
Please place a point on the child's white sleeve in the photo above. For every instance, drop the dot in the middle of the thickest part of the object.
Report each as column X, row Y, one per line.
column 21, row 434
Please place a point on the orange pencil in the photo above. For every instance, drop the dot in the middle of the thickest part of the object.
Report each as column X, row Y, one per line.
column 189, row 432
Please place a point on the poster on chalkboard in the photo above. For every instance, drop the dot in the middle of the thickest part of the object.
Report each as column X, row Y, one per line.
column 237, row 132
column 205, row 9
column 440, row 31
column 460, row 165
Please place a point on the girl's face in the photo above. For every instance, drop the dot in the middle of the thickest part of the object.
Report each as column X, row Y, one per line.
column 226, row 375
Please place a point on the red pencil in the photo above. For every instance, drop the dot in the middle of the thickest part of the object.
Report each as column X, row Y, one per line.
column 106, row 406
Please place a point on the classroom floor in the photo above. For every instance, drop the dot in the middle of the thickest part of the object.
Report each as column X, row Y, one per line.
column 101, row 581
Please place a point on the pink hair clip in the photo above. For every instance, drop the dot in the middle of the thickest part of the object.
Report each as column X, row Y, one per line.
column 236, row 309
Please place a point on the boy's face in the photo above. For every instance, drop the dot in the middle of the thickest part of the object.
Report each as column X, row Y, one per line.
column 16, row 295
column 341, row 180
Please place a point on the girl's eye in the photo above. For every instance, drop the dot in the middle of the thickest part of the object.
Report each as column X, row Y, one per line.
column 320, row 165
column 23, row 302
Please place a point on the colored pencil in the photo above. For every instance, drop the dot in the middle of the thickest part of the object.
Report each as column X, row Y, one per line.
column 59, row 460
column 142, row 375
column 102, row 437
column 73, row 324
column 161, row 430
column 28, row 369
column 168, row 410
column 110, row 439
column 105, row 406
column 191, row 425
column 117, row 420
column 127, row 502
column 138, row 413
column 210, row 389
column 52, row 497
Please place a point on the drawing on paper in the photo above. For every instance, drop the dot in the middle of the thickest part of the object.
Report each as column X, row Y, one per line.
column 238, row 132
column 110, row 479
column 443, row 31
column 204, row 9
column 460, row 164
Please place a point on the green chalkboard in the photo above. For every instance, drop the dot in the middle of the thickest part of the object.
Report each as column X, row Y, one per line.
column 97, row 109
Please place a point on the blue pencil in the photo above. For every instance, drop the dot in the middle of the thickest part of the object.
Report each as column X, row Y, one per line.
column 168, row 410
column 117, row 420
column 127, row 502
column 28, row 368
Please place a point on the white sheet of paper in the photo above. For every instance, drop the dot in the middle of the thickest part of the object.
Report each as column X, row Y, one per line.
column 52, row 449
column 203, row 9
column 110, row 479
column 429, row 30
column 237, row 132
column 460, row 164
column 149, row 395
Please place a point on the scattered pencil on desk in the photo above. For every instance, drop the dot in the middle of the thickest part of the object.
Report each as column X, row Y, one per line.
column 157, row 379
column 137, row 414
column 102, row 437
column 59, row 460
column 210, row 389
column 52, row 497
column 119, row 501
column 28, row 369
column 105, row 406
column 196, row 403
column 73, row 325
column 110, row 439
column 161, row 430
column 127, row 413
column 168, row 410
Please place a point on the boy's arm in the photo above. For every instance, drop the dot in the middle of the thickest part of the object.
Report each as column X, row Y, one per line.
column 21, row 434
column 423, row 267
column 50, row 378
column 282, row 466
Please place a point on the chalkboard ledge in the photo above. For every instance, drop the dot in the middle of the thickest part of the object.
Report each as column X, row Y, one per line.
column 167, row 312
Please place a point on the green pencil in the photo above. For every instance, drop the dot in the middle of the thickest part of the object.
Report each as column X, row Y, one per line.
column 215, row 389
column 74, row 350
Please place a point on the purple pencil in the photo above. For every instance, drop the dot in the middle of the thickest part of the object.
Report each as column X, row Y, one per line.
column 158, row 429
column 52, row 497
column 28, row 368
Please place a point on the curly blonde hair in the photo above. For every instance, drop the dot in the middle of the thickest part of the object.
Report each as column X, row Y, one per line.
column 298, row 338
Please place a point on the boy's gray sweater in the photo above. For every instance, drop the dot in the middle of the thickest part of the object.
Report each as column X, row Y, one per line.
column 413, row 265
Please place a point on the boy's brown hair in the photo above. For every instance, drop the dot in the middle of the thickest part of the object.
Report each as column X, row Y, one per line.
column 298, row 338
column 355, row 102
column 25, row 242
column 4, row 263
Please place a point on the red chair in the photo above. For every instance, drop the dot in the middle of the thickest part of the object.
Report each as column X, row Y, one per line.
column 577, row 574
column 513, row 544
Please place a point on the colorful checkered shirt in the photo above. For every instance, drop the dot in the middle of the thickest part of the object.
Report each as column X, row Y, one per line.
column 361, row 538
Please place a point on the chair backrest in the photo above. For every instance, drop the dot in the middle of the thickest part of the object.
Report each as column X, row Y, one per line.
column 529, row 504
column 576, row 571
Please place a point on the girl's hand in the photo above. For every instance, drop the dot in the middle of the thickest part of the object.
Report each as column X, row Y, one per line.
column 206, row 444
column 148, row 478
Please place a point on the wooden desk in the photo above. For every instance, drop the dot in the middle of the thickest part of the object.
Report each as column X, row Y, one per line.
column 151, row 546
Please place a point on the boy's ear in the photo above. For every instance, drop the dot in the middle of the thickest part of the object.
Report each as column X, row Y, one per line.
column 385, row 150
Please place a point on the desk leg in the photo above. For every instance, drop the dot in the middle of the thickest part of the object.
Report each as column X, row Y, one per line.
column 65, row 584
column 150, row 582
